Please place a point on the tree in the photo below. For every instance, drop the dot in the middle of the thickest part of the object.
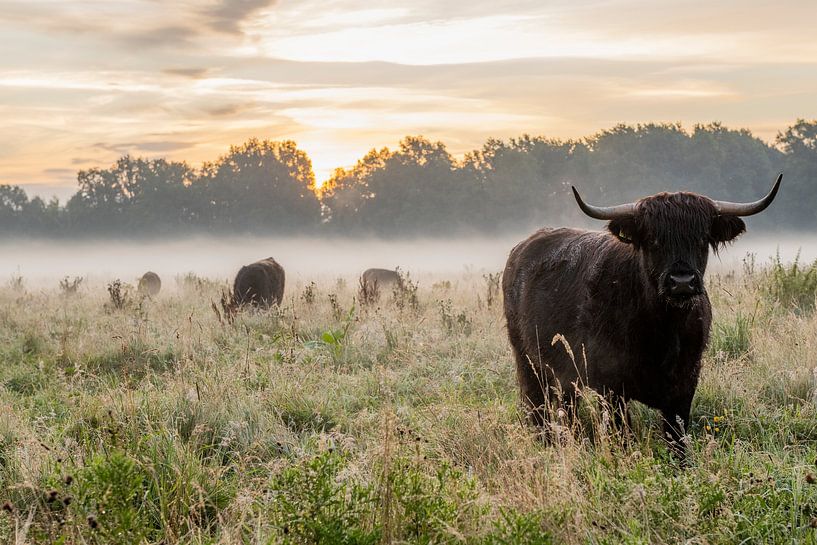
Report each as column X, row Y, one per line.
column 13, row 201
column 261, row 186
column 521, row 180
column 417, row 189
column 162, row 196
column 134, row 194
column 799, row 143
column 346, row 194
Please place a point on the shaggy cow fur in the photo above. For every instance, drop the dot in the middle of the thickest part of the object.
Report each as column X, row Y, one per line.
column 607, row 294
column 259, row 284
column 150, row 284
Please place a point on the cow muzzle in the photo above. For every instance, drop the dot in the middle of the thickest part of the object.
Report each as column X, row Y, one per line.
column 681, row 285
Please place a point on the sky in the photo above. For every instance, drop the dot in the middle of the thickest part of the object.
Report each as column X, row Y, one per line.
column 83, row 82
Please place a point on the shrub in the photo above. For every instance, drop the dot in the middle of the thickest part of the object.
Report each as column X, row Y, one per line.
column 229, row 308
column 317, row 501
column 517, row 529
column 119, row 295
column 454, row 322
column 369, row 292
column 193, row 282
column 731, row 339
column 112, row 493
column 308, row 295
column 492, row 287
column 793, row 286
column 17, row 283
column 70, row 286
column 311, row 504
column 405, row 292
column 134, row 359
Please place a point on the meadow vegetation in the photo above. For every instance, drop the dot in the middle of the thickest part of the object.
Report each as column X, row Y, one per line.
column 177, row 420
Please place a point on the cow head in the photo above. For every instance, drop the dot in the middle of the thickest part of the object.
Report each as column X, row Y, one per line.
column 672, row 233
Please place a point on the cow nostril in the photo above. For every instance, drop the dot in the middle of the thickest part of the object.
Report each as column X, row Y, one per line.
column 682, row 279
column 681, row 284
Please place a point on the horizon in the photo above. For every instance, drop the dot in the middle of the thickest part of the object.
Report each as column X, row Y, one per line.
column 63, row 193
column 84, row 83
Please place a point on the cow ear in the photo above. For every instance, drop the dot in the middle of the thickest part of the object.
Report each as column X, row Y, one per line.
column 624, row 229
column 725, row 228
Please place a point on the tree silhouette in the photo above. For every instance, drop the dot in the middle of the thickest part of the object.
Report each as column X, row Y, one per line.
column 261, row 185
column 419, row 188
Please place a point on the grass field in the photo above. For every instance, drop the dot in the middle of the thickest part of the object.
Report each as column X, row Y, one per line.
column 328, row 422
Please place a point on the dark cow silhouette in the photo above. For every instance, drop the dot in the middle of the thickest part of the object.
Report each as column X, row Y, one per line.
column 381, row 277
column 630, row 302
column 150, row 284
column 259, row 284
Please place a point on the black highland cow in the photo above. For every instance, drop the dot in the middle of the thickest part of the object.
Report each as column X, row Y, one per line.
column 150, row 284
column 259, row 284
column 630, row 301
column 381, row 277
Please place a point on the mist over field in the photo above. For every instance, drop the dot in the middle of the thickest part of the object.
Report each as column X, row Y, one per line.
column 303, row 259
column 42, row 262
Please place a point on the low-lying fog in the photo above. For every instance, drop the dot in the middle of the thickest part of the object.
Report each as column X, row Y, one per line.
column 41, row 262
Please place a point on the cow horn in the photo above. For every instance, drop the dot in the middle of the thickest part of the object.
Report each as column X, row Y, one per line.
column 747, row 209
column 604, row 212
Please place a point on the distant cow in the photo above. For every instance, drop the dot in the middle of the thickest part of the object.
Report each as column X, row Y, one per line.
column 150, row 284
column 259, row 284
column 381, row 277
column 630, row 302
column 372, row 281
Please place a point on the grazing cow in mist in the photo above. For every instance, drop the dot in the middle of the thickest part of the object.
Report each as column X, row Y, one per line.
column 630, row 301
column 150, row 284
column 259, row 284
column 372, row 280
column 381, row 277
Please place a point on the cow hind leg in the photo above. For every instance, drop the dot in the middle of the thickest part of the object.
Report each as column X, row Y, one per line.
column 548, row 406
column 552, row 406
column 622, row 424
column 533, row 393
column 532, row 389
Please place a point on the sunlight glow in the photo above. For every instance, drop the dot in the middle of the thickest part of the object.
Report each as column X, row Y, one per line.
column 481, row 39
column 84, row 82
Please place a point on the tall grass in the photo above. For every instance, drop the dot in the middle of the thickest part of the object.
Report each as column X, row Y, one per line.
column 731, row 338
column 181, row 420
column 793, row 285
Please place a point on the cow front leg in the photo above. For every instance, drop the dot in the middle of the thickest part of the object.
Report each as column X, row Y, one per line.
column 676, row 426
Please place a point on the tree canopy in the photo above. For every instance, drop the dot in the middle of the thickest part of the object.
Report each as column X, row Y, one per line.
column 268, row 187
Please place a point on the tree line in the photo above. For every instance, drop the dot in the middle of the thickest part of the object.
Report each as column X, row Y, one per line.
column 268, row 187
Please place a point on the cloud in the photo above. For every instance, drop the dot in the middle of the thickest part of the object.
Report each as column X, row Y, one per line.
column 89, row 79
column 153, row 146
column 159, row 37
column 228, row 15
column 163, row 146
column 229, row 109
column 192, row 73
column 59, row 172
